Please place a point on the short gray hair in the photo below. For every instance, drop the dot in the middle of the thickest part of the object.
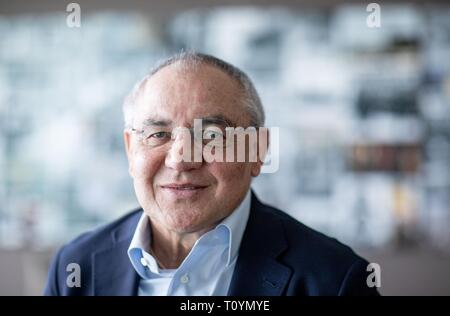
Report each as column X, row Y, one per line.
column 250, row 99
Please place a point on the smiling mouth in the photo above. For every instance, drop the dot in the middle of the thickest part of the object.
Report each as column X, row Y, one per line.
column 184, row 190
column 183, row 187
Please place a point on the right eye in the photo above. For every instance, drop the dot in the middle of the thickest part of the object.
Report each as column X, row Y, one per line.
column 158, row 135
column 157, row 139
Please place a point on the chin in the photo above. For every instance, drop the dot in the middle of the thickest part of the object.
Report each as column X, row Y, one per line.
column 185, row 223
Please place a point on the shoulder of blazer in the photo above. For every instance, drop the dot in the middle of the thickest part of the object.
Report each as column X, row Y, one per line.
column 81, row 248
column 319, row 264
column 297, row 234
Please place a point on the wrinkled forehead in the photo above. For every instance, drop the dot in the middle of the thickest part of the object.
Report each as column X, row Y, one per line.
column 179, row 93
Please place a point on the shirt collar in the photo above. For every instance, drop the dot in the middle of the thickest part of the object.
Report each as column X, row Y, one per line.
column 236, row 223
column 234, row 226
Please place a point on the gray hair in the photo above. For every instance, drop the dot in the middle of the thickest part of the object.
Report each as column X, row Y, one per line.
column 189, row 60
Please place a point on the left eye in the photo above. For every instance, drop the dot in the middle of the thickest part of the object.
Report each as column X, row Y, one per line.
column 212, row 134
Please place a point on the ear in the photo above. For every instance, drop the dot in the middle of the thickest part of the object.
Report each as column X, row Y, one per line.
column 128, row 149
column 263, row 147
column 256, row 168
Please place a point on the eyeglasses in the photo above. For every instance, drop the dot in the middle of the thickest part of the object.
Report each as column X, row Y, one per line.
column 211, row 135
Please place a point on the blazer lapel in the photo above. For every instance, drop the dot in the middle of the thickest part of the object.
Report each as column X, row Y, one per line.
column 257, row 272
column 113, row 272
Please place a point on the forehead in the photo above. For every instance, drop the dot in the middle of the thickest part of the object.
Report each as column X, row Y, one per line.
column 180, row 94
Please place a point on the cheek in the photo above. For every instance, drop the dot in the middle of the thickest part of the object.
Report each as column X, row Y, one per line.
column 145, row 166
column 232, row 177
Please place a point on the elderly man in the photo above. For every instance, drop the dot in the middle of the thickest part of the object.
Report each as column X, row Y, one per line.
column 200, row 229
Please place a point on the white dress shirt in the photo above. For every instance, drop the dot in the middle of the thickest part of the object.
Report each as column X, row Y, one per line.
column 209, row 266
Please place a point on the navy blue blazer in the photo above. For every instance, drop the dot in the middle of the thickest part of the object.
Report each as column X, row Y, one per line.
column 278, row 256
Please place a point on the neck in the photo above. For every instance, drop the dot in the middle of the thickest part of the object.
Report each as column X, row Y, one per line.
column 170, row 248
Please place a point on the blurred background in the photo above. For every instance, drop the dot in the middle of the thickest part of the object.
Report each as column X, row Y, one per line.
column 363, row 112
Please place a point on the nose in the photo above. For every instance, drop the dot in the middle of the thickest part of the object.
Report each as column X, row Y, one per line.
column 183, row 155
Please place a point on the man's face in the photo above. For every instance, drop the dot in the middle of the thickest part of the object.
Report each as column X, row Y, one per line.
column 186, row 196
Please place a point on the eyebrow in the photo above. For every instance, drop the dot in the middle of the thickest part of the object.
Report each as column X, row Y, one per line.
column 156, row 122
column 218, row 120
column 215, row 119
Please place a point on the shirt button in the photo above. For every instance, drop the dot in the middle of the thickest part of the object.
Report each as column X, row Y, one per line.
column 184, row 279
column 144, row 262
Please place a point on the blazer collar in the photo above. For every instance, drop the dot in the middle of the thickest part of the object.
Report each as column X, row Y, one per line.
column 257, row 271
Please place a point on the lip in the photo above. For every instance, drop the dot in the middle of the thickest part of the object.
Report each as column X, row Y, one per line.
column 183, row 186
column 183, row 190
